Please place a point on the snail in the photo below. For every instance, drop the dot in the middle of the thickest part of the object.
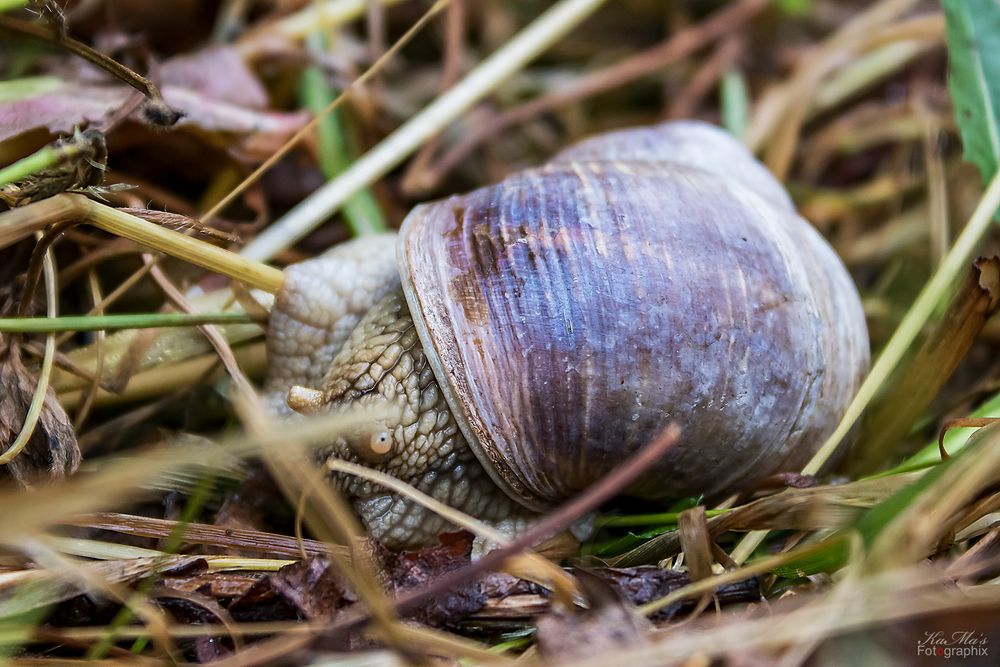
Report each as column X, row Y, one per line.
column 534, row 333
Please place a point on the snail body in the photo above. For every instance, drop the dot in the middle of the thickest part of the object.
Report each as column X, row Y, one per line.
column 542, row 329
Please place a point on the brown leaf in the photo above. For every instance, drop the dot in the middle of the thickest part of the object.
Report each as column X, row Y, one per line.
column 313, row 588
column 52, row 451
column 60, row 109
column 217, row 73
column 411, row 570
column 308, row 589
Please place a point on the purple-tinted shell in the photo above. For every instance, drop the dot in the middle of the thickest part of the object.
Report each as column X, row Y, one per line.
column 573, row 310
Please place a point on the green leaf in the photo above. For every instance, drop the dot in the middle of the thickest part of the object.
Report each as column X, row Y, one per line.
column 973, row 35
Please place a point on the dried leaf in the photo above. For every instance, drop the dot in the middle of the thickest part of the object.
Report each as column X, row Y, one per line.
column 218, row 73
column 313, row 588
column 52, row 452
column 410, row 570
column 213, row 89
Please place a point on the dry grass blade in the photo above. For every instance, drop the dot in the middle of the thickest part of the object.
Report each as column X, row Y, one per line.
column 779, row 115
column 157, row 382
column 873, row 601
column 920, row 379
column 92, row 579
column 327, row 515
column 646, row 63
column 199, row 533
column 123, row 479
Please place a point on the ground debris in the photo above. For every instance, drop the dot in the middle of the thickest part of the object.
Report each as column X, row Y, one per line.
column 411, row 570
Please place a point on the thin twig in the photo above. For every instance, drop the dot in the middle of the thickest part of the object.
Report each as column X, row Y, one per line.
column 96, row 58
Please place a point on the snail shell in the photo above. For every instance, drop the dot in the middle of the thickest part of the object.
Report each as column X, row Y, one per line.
column 643, row 277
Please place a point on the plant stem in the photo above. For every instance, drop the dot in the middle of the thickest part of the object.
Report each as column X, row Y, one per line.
column 646, row 519
column 110, row 322
column 43, row 158
column 18, row 223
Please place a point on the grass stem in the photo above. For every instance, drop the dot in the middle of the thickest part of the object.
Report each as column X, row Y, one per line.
column 112, row 322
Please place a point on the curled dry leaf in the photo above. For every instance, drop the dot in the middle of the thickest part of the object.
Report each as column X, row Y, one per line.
column 313, row 587
column 52, row 452
column 308, row 589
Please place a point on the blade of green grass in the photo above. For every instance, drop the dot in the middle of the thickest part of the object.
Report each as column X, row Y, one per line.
column 361, row 211
column 735, row 102
column 43, row 158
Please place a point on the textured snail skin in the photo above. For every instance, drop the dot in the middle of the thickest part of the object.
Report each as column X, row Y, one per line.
column 320, row 304
column 383, row 365
column 564, row 316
